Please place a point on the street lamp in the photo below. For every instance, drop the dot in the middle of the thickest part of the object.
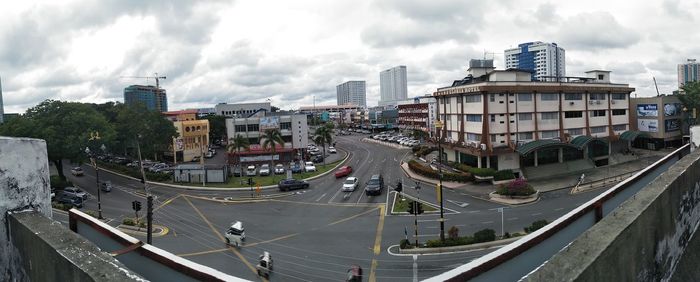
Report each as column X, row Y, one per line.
column 97, row 178
column 438, row 125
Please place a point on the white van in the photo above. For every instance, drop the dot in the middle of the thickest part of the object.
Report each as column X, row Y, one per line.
column 235, row 234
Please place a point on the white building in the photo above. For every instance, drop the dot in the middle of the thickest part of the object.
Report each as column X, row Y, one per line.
column 352, row 92
column 688, row 72
column 241, row 109
column 504, row 120
column 392, row 86
column 293, row 128
column 546, row 60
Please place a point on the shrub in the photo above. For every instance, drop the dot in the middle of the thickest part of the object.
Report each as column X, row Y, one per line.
column 503, row 175
column 60, row 206
column 430, row 173
column 91, row 213
column 425, row 150
column 484, row 235
column 128, row 221
column 453, row 233
column 57, row 182
column 482, row 172
column 535, row 225
column 404, row 244
column 466, row 240
column 517, row 187
column 417, row 148
column 461, row 167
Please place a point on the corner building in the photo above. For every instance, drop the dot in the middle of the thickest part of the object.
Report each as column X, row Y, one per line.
column 505, row 120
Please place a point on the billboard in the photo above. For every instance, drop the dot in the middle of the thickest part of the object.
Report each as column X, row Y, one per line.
column 647, row 110
column 673, row 109
column 673, row 124
column 269, row 123
column 648, row 125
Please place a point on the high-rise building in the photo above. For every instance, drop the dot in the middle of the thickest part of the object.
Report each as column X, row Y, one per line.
column 688, row 72
column 153, row 98
column 352, row 92
column 546, row 61
column 2, row 109
column 392, row 86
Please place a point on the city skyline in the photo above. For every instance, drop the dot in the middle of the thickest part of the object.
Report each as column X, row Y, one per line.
column 55, row 51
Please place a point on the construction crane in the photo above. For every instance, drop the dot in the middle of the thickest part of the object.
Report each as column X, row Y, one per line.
column 657, row 87
column 155, row 76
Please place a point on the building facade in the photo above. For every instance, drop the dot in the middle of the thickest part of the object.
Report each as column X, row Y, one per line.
column 393, row 86
column 504, row 120
column 193, row 135
column 155, row 99
column 688, row 72
column 240, row 110
column 352, row 93
column 293, row 128
column 417, row 114
column 662, row 118
column 546, row 61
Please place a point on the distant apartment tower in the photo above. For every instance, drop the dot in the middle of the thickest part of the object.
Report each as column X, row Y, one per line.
column 688, row 72
column 2, row 109
column 153, row 98
column 546, row 61
column 392, row 86
column 352, row 92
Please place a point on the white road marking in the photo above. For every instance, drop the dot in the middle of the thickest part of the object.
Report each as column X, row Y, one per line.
column 319, row 198
column 558, row 209
column 487, row 222
column 474, row 211
column 536, row 214
column 360, row 198
column 427, row 235
column 513, row 218
column 431, row 220
column 334, row 195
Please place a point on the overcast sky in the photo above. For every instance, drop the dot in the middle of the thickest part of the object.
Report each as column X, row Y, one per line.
column 291, row 51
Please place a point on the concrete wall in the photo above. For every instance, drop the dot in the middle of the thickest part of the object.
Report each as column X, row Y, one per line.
column 650, row 237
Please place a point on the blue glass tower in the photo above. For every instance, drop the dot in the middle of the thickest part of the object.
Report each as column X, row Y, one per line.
column 153, row 98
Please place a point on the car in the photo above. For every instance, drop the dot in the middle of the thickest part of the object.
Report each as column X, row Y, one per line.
column 209, row 155
column 77, row 171
column 314, row 153
column 349, row 184
column 279, row 169
column 296, row 168
column 332, row 150
column 157, row 167
column 374, row 185
column 291, row 183
column 250, row 171
column 236, row 171
column 309, row 166
column 70, row 200
column 317, row 159
column 106, row 186
column 264, row 170
column 76, row 192
column 194, row 159
column 235, row 234
column 343, row 171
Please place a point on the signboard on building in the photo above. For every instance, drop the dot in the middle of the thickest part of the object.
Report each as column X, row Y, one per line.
column 647, row 110
column 648, row 125
column 263, row 158
column 673, row 124
column 269, row 123
column 179, row 144
column 673, row 109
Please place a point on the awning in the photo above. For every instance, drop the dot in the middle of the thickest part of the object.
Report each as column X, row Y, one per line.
column 581, row 141
column 530, row 147
column 631, row 135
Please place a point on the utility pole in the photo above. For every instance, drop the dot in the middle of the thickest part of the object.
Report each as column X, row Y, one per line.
column 149, row 198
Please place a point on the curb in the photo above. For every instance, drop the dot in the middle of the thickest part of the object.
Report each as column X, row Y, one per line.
column 135, row 230
column 472, row 247
column 526, row 201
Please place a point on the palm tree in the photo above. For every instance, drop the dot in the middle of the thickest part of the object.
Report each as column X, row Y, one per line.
column 323, row 136
column 272, row 137
column 236, row 144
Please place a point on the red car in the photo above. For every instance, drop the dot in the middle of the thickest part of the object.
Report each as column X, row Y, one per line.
column 343, row 171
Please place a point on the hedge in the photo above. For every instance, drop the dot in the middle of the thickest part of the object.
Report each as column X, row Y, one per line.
column 482, row 172
column 446, row 176
column 136, row 173
column 60, row 206
column 503, row 175
column 425, row 150
column 132, row 222
column 517, row 187
column 535, row 225
column 460, row 166
column 484, row 235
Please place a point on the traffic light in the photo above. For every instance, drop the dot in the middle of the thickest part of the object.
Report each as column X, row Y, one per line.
column 136, row 205
column 250, row 181
column 410, row 207
column 419, row 208
column 399, row 187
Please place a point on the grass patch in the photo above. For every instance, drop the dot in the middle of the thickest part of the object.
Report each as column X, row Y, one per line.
column 402, row 206
column 238, row 182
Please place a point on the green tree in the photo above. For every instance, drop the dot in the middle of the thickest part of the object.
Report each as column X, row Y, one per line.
column 691, row 98
column 323, row 136
column 217, row 127
column 236, row 144
column 65, row 126
column 270, row 138
column 153, row 132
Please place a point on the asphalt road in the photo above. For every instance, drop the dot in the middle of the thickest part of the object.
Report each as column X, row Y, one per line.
column 316, row 234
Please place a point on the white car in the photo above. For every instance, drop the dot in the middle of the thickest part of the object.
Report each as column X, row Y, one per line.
column 279, row 169
column 264, row 170
column 77, row 171
column 350, row 184
column 332, row 150
column 250, row 171
column 309, row 166
column 235, row 235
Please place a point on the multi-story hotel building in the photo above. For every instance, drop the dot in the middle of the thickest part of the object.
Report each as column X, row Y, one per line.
column 688, row 72
column 293, row 128
column 505, row 120
column 546, row 61
column 392, row 86
column 417, row 114
column 352, row 92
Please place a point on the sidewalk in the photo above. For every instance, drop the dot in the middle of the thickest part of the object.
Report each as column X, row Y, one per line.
column 481, row 190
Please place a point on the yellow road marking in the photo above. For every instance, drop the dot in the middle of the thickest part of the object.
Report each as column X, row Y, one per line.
column 372, row 277
column 380, row 228
column 168, row 201
column 271, row 240
column 203, row 253
column 325, row 204
column 221, row 237
column 351, row 217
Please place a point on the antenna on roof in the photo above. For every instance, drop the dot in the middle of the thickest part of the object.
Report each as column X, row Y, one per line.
column 657, row 87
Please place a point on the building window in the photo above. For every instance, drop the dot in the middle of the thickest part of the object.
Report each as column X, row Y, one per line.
column 253, row 127
column 286, row 125
column 598, row 113
column 619, row 127
column 572, row 96
column 525, row 97
column 549, row 97
column 448, row 100
column 575, row 131
column 493, row 137
column 240, row 128
column 472, row 98
column 619, row 112
column 473, row 137
column 550, row 115
column 492, row 97
column 573, row 114
column 525, row 136
column 598, row 129
column 550, row 134
column 596, row 96
column 525, row 116
column 619, row 96
column 473, row 118
column 493, row 118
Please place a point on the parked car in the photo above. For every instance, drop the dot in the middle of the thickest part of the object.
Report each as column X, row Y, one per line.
column 157, row 167
column 309, row 166
column 264, row 170
column 70, row 200
column 279, row 169
column 349, row 184
column 374, row 185
column 106, row 186
column 343, row 171
column 77, row 171
column 250, row 171
column 75, row 192
column 332, row 150
column 237, row 170
column 289, row 184
column 317, row 159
